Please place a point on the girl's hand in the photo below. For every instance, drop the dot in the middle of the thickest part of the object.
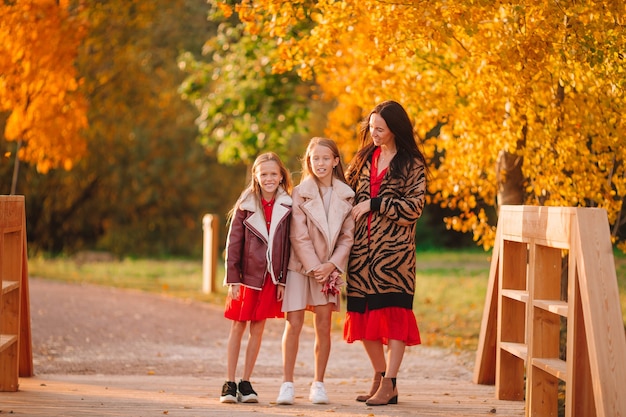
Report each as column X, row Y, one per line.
column 360, row 209
column 233, row 291
column 323, row 271
column 280, row 292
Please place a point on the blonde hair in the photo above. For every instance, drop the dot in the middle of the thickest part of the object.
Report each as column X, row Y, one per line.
column 307, row 169
column 254, row 186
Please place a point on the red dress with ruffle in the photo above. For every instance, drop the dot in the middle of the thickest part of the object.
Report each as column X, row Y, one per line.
column 255, row 305
column 388, row 323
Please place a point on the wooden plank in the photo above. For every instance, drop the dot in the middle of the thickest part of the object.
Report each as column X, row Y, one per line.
column 6, row 340
column 601, row 311
column 547, row 268
column 512, row 323
column 556, row 307
column 25, row 365
column 11, row 212
column 555, row 367
column 485, row 363
column 518, row 349
column 131, row 396
column 544, row 388
column 8, row 286
column 545, row 329
column 580, row 398
column 511, row 320
column 8, row 365
column 509, row 377
column 514, row 266
column 518, row 295
column 9, row 312
column 546, row 225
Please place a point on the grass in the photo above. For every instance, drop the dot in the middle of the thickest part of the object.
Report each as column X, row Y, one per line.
column 450, row 290
column 449, row 297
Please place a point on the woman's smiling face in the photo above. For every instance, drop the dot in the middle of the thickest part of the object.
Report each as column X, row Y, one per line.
column 379, row 131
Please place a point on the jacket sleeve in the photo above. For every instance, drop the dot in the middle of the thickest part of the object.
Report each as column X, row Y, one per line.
column 407, row 207
column 301, row 242
column 234, row 248
column 344, row 243
column 286, row 247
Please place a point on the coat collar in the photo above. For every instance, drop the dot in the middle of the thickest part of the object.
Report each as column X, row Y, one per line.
column 282, row 206
column 330, row 225
column 309, row 189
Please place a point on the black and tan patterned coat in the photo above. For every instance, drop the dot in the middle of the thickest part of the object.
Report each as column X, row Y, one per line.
column 381, row 269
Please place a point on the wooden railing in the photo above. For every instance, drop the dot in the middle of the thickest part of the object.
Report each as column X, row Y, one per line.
column 552, row 320
column 15, row 336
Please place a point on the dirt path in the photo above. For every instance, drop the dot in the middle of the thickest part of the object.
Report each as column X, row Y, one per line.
column 86, row 329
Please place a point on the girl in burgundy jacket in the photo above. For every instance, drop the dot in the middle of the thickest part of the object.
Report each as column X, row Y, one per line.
column 257, row 254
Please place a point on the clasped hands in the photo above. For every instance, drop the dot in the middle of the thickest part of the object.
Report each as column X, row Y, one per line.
column 322, row 272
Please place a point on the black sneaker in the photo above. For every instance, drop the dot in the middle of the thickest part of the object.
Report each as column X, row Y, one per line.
column 229, row 392
column 246, row 393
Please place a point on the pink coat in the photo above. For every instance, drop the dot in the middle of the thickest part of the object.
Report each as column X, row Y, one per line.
column 316, row 239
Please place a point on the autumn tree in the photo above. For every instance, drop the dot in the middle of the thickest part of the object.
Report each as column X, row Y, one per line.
column 528, row 95
column 39, row 85
column 245, row 107
column 144, row 182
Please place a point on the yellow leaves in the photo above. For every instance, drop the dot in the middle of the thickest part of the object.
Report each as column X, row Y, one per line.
column 544, row 80
column 225, row 9
column 38, row 86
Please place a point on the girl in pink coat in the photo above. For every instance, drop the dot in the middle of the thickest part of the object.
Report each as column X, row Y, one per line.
column 321, row 237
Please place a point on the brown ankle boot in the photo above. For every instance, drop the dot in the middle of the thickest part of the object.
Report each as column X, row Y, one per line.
column 387, row 393
column 375, row 384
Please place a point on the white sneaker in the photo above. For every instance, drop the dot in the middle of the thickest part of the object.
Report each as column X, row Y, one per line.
column 286, row 395
column 318, row 393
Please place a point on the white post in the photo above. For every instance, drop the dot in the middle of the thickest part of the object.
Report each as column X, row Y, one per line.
column 208, row 253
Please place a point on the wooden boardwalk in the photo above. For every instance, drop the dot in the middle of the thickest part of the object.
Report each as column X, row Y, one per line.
column 109, row 352
column 137, row 396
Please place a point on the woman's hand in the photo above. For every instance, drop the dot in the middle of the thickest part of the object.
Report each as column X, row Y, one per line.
column 360, row 209
column 233, row 291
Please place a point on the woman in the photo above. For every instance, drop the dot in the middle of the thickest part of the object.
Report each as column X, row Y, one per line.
column 388, row 175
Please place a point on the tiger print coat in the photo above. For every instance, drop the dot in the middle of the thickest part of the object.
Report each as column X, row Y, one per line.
column 381, row 269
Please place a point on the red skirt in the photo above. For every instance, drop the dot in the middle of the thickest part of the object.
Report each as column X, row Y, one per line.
column 255, row 305
column 389, row 323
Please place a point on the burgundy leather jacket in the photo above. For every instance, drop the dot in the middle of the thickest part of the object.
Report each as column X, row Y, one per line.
column 250, row 248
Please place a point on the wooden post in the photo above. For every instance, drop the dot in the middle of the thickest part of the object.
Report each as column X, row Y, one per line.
column 209, row 250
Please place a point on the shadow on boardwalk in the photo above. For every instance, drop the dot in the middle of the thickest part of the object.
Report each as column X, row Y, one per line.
column 109, row 352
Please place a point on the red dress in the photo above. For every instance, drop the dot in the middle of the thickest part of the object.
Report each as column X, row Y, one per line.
column 255, row 305
column 388, row 323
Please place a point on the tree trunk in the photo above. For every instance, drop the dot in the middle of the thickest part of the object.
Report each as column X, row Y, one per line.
column 16, row 167
column 510, row 180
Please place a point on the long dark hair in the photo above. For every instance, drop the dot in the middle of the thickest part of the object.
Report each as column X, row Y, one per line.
column 400, row 125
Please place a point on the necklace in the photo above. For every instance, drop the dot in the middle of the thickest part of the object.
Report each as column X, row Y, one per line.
column 382, row 157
